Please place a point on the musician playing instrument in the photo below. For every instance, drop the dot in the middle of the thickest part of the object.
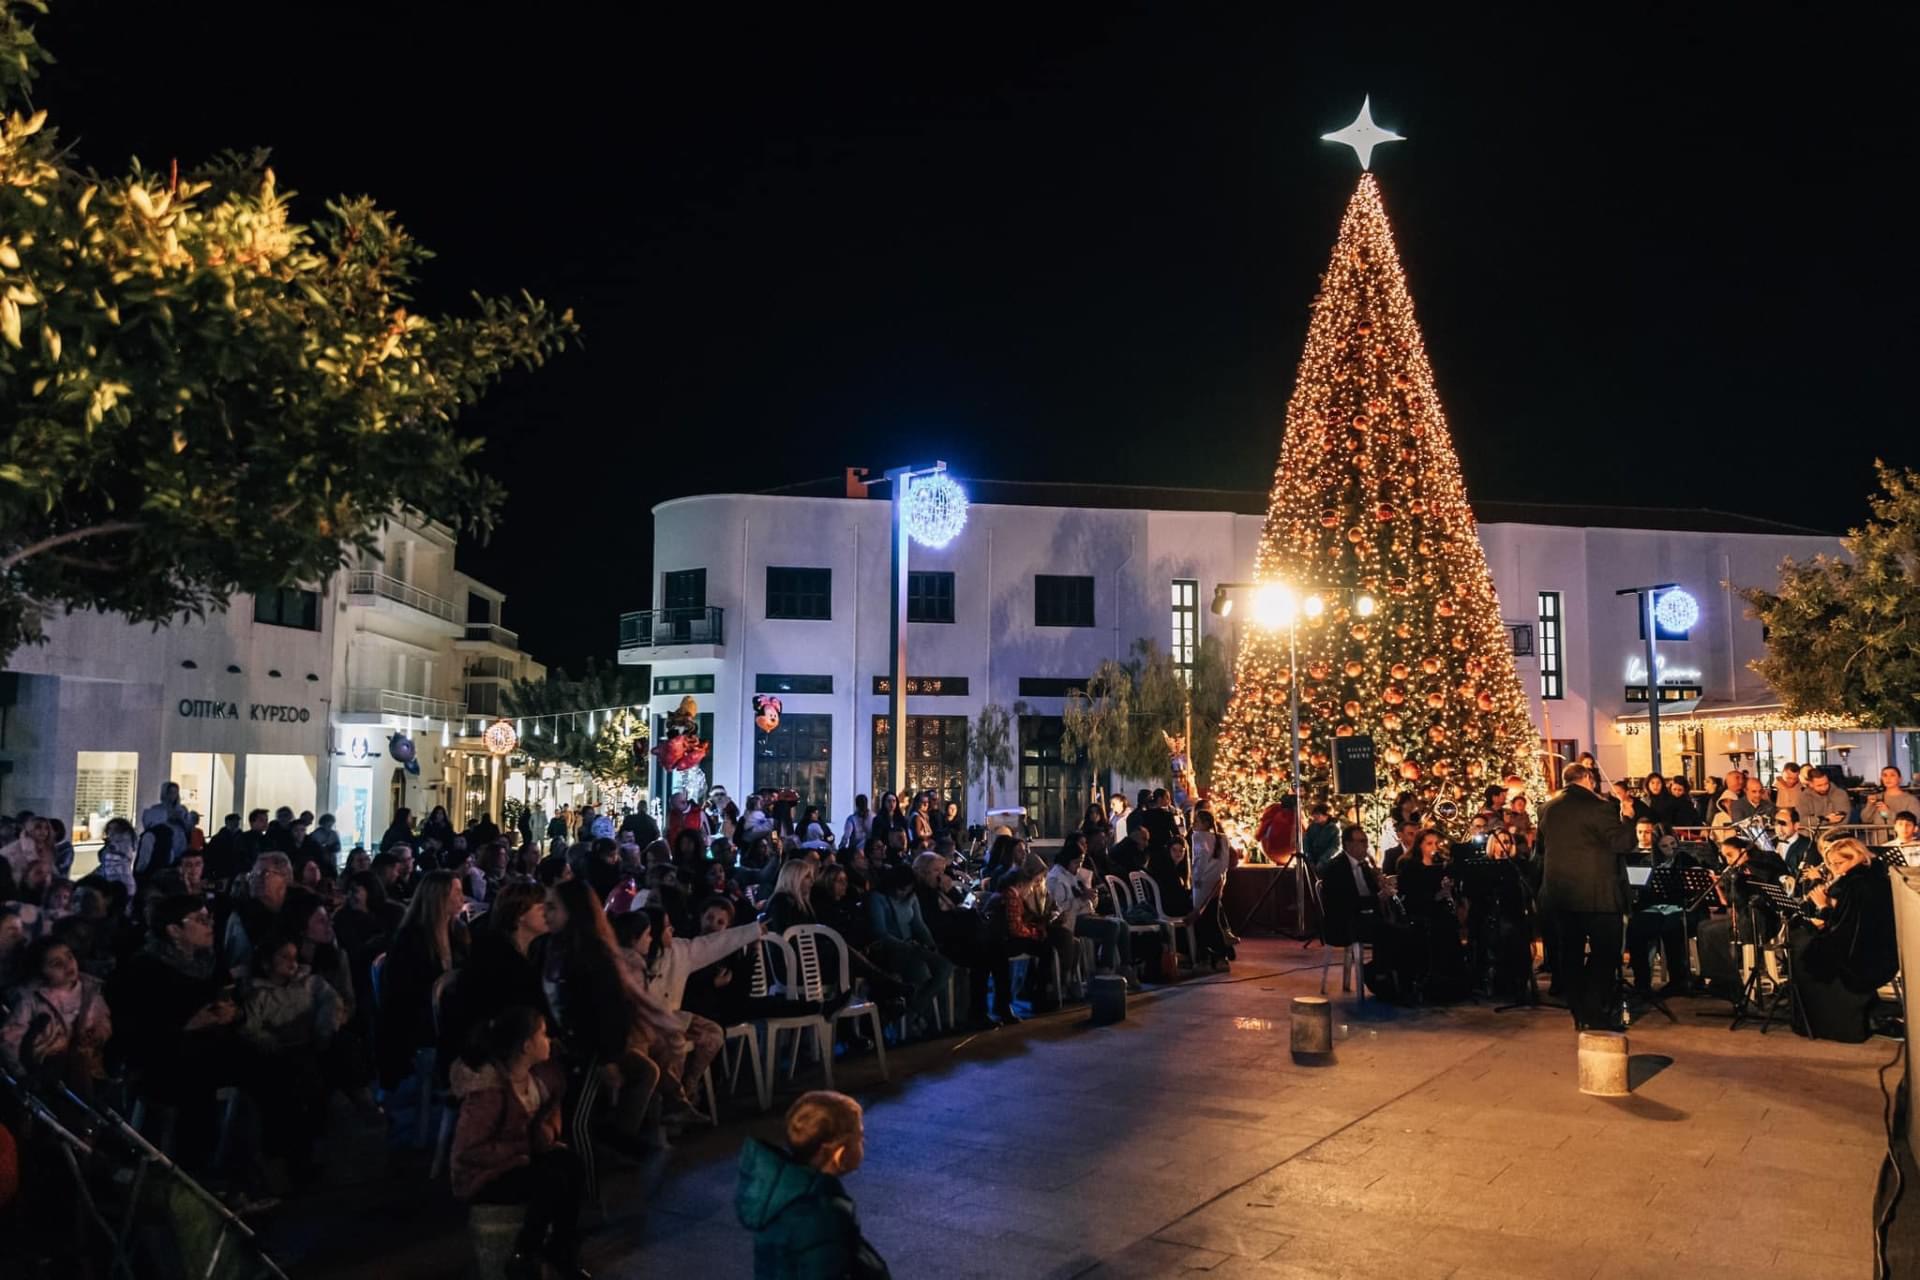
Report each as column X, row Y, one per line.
column 1846, row 950
column 1749, row 918
column 1794, row 846
column 1654, row 923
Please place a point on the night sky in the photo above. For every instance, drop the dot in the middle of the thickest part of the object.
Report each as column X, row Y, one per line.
column 1659, row 259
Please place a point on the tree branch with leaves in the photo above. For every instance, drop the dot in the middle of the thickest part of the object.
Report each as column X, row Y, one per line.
column 202, row 394
column 1843, row 634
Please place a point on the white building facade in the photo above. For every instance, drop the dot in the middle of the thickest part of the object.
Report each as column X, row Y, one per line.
column 787, row 595
column 289, row 699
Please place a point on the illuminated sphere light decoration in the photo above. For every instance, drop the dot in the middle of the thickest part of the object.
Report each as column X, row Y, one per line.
column 1676, row 610
column 501, row 738
column 935, row 510
column 1368, row 500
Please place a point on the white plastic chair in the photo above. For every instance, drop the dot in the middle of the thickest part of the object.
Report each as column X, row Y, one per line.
column 1122, row 899
column 1147, row 890
column 803, row 943
column 1352, row 965
column 749, row 1037
column 799, row 1024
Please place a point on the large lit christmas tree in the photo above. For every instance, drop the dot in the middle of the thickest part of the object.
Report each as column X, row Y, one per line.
column 1368, row 499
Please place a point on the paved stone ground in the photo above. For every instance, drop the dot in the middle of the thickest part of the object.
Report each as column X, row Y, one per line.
column 1439, row 1143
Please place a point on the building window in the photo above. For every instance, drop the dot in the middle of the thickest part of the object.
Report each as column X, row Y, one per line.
column 682, row 684
column 288, row 607
column 1520, row 637
column 936, row 756
column 1053, row 786
column 929, row 596
column 479, row 608
column 1186, row 626
column 792, row 684
column 1050, row 686
column 483, row 699
column 925, row 686
column 683, row 589
column 1062, row 600
column 797, row 754
column 1553, row 668
column 799, row 593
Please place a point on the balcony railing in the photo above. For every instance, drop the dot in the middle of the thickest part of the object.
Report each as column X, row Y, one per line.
column 367, row 582
column 392, row 702
column 493, row 633
column 657, row 628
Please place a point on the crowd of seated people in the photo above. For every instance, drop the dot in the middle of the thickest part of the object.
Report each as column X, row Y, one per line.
column 225, row 990
column 1771, row 867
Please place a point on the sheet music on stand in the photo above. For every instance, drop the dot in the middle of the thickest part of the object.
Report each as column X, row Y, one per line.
column 1666, row 886
column 1781, row 900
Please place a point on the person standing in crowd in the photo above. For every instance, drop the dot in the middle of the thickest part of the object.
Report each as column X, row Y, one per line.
column 859, row 825
column 1682, row 807
column 507, row 1146
column 1787, row 789
column 322, row 845
column 1583, row 843
column 399, row 831
column 1826, row 802
column 1888, row 803
column 1213, row 858
column 164, row 831
column 802, row 1219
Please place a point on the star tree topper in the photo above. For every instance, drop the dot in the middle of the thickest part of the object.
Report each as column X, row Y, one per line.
column 1363, row 135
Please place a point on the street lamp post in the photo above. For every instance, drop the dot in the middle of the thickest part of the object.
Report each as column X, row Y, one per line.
column 934, row 524
column 1647, row 595
column 1275, row 604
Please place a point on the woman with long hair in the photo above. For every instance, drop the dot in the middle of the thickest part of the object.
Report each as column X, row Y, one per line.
column 605, row 1028
column 792, row 900
column 430, row 941
column 1213, row 858
column 399, row 831
column 886, row 818
column 921, row 830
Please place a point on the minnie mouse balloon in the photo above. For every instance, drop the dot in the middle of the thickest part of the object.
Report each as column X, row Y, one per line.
column 766, row 712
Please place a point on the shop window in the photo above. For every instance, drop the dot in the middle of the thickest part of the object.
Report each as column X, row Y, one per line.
column 797, row 754
column 288, row 607
column 929, row 596
column 1062, row 600
column 273, row 781
column 926, row 686
column 1053, row 786
column 803, row 594
column 105, row 784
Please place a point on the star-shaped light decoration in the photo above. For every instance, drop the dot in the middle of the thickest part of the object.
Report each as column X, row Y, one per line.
column 1363, row 135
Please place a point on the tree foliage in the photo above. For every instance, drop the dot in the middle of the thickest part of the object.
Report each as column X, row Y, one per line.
column 1843, row 634
column 990, row 744
column 555, row 714
column 201, row 394
column 1119, row 722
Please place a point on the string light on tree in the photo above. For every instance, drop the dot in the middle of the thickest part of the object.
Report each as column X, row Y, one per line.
column 1368, row 501
column 936, row 510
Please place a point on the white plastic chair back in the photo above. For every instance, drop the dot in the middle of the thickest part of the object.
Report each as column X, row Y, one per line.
column 1122, row 899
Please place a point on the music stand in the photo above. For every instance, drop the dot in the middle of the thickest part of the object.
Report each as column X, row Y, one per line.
column 1786, row 909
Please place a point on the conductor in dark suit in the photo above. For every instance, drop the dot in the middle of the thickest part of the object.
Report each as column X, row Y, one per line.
column 1583, row 844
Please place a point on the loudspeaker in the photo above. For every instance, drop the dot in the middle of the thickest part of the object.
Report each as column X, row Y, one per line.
column 1353, row 773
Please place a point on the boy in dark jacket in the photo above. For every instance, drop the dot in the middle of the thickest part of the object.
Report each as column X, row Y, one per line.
column 802, row 1218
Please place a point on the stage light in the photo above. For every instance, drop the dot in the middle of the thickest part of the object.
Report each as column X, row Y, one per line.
column 1222, row 604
